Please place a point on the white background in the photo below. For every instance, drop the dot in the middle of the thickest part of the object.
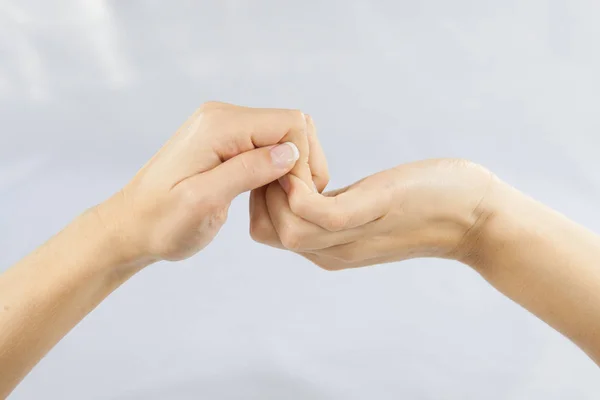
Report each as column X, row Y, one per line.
column 89, row 90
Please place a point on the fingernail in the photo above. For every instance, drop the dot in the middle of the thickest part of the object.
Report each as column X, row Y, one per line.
column 284, row 182
column 315, row 187
column 284, row 154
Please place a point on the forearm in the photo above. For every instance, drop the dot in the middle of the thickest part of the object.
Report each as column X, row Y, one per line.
column 46, row 294
column 543, row 261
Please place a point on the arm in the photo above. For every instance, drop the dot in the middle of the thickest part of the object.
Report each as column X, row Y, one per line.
column 544, row 262
column 451, row 209
column 43, row 296
column 172, row 208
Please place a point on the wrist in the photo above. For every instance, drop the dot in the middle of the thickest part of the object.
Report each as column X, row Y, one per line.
column 115, row 227
column 496, row 225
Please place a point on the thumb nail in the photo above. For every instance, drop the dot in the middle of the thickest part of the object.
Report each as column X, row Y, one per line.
column 284, row 155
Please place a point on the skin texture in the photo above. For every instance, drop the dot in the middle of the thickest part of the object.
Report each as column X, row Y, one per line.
column 175, row 205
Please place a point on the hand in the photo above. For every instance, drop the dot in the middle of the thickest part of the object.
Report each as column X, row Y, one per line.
column 431, row 208
column 178, row 201
column 261, row 227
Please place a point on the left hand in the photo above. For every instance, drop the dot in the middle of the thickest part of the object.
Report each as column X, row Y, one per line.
column 431, row 208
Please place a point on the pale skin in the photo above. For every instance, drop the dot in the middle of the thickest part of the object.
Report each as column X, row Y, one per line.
column 175, row 205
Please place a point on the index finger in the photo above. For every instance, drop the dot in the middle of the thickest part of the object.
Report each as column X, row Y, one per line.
column 217, row 132
column 316, row 157
column 259, row 127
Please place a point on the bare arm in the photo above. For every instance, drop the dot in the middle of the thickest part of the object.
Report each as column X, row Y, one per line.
column 543, row 261
column 451, row 209
column 47, row 293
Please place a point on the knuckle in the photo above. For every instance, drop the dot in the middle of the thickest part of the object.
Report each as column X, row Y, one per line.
column 463, row 163
column 298, row 116
column 297, row 119
column 212, row 113
column 329, row 265
column 256, row 233
column 260, row 230
column 211, row 105
column 291, row 238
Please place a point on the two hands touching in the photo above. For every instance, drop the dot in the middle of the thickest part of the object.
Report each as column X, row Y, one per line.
column 177, row 202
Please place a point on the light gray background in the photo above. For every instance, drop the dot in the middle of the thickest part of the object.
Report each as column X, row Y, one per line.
column 90, row 89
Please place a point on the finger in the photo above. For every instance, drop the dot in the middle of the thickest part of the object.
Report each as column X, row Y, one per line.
column 257, row 127
column 316, row 157
column 362, row 250
column 326, row 263
column 358, row 205
column 336, row 264
column 245, row 128
column 251, row 127
column 217, row 132
column 381, row 249
column 301, row 169
column 261, row 227
column 250, row 170
column 296, row 233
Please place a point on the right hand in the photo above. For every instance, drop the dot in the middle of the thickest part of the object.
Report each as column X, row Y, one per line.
column 432, row 208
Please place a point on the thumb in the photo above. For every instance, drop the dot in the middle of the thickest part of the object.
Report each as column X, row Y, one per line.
column 252, row 169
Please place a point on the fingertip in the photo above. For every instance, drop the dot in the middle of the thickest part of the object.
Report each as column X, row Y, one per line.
column 285, row 155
